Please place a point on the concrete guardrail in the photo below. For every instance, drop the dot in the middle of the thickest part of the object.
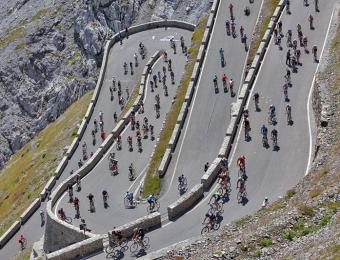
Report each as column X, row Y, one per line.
column 148, row 222
column 185, row 202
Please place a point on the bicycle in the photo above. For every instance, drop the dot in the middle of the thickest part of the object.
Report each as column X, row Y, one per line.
column 207, row 228
column 123, row 244
column 182, row 186
column 130, row 204
column 23, row 244
column 153, row 208
column 224, row 189
column 241, row 195
column 134, row 247
column 215, row 208
column 66, row 219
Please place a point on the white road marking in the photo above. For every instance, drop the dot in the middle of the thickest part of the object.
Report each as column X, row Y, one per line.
column 309, row 98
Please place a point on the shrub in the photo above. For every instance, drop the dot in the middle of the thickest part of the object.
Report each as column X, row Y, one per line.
column 266, row 242
column 291, row 193
column 306, row 210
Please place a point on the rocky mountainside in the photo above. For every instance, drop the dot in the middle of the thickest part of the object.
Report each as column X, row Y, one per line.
column 51, row 52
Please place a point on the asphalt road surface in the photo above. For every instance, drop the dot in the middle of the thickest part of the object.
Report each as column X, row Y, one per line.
column 157, row 39
column 270, row 172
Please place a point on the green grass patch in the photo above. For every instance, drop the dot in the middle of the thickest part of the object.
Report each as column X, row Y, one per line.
column 12, row 36
column 267, row 11
column 333, row 205
column 242, row 221
column 56, row 10
column 29, row 169
column 314, row 193
column 152, row 180
column 40, row 14
column 20, row 46
column 266, row 242
column 77, row 55
column 290, row 193
column 257, row 254
column 306, row 210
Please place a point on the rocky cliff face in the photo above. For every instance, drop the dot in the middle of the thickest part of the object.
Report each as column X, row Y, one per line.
column 51, row 52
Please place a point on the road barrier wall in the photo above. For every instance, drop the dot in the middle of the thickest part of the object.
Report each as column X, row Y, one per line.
column 78, row 250
column 209, row 177
column 30, row 210
column 59, row 234
column 48, row 187
column 192, row 85
column 61, row 167
column 147, row 222
column 10, row 233
column 185, row 202
column 165, row 162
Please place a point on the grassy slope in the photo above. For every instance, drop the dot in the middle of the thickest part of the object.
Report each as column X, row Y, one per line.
column 29, row 169
column 152, row 181
column 267, row 11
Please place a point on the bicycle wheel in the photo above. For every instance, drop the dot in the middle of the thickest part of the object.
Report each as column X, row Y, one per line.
column 149, row 209
column 157, row 205
column 124, row 244
column 216, row 225
column 134, row 247
column 146, row 242
column 68, row 220
column 239, row 197
column 220, row 190
column 204, row 230
column 109, row 249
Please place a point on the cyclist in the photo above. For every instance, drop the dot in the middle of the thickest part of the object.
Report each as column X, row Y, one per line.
column 256, row 99
column 274, row 136
column 117, row 236
column 129, row 140
column 215, row 81
column 227, row 26
column 101, row 116
column 246, row 127
column 181, row 180
column 22, row 242
column 224, row 79
column 315, row 50
column 221, row 52
column 211, row 218
column 76, row 204
column 241, row 31
column 289, row 38
column 80, row 163
column 206, row 166
column 271, row 112
column 119, row 142
column 151, row 199
column 224, row 179
column 265, row 202
column 217, row 197
column 42, row 215
column 264, row 132
column 70, row 191
column 138, row 235
column 231, row 85
column 62, row 214
column 289, row 113
column 310, row 19
column 241, row 162
column 129, row 196
column 95, row 125
column 105, row 196
column 91, row 201
column 131, row 170
column 241, row 184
